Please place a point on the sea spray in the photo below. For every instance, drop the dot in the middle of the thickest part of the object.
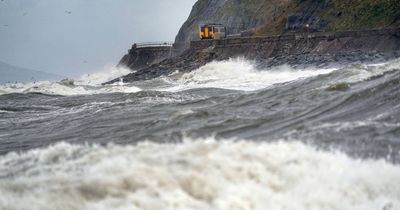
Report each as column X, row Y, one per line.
column 87, row 84
column 195, row 174
column 104, row 75
column 240, row 74
column 233, row 74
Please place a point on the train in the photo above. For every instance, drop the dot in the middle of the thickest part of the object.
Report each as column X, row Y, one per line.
column 212, row 31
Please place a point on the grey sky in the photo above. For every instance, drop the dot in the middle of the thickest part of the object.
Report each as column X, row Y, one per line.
column 72, row 37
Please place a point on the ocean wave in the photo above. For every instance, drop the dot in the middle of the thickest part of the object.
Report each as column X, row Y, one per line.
column 361, row 72
column 233, row 74
column 58, row 88
column 240, row 74
column 104, row 75
column 86, row 84
column 202, row 174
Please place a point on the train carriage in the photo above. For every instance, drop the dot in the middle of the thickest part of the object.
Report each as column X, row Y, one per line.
column 212, row 31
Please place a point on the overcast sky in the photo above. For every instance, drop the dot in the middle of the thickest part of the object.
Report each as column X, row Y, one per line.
column 72, row 37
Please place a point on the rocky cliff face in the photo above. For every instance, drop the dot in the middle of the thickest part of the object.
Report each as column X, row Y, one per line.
column 268, row 17
column 236, row 15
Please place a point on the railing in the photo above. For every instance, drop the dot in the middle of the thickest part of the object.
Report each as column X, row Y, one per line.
column 153, row 44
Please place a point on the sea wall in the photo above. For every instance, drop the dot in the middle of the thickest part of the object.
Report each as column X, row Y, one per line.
column 379, row 40
column 139, row 57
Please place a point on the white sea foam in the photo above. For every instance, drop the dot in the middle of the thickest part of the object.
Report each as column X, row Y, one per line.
column 235, row 74
column 86, row 85
column 102, row 76
column 202, row 174
column 362, row 72
column 55, row 88
column 240, row 74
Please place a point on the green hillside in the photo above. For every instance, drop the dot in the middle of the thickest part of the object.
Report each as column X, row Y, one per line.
column 266, row 17
column 361, row 14
column 334, row 15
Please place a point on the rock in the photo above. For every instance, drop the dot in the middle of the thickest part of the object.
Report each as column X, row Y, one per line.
column 305, row 23
column 67, row 82
column 342, row 86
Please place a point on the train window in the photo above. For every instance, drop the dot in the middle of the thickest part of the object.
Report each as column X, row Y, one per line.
column 222, row 30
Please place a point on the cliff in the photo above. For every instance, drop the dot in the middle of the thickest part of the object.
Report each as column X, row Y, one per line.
column 236, row 15
column 271, row 17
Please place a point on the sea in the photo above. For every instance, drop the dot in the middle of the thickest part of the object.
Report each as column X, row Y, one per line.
column 227, row 136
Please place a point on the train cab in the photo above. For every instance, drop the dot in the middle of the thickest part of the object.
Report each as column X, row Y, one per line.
column 212, row 31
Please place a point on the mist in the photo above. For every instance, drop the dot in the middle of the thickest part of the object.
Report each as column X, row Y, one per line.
column 73, row 37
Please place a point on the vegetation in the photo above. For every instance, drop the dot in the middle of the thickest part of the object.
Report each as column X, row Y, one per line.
column 361, row 14
column 338, row 15
column 271, row 16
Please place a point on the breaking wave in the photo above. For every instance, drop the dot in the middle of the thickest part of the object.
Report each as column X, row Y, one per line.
column 105, row 75
column 85, row 85
column 361, row 72
column 233, row 74
column 360, row 116
column 240, row 74
column 202, row 174
column 59, row 88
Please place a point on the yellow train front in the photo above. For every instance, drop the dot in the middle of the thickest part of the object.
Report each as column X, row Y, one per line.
column 212, row 31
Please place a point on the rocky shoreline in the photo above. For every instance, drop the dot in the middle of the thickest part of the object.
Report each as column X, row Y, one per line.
column 296, row 50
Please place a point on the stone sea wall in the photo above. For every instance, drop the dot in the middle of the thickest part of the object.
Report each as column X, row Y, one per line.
column 379, row 40
column 139, row 57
